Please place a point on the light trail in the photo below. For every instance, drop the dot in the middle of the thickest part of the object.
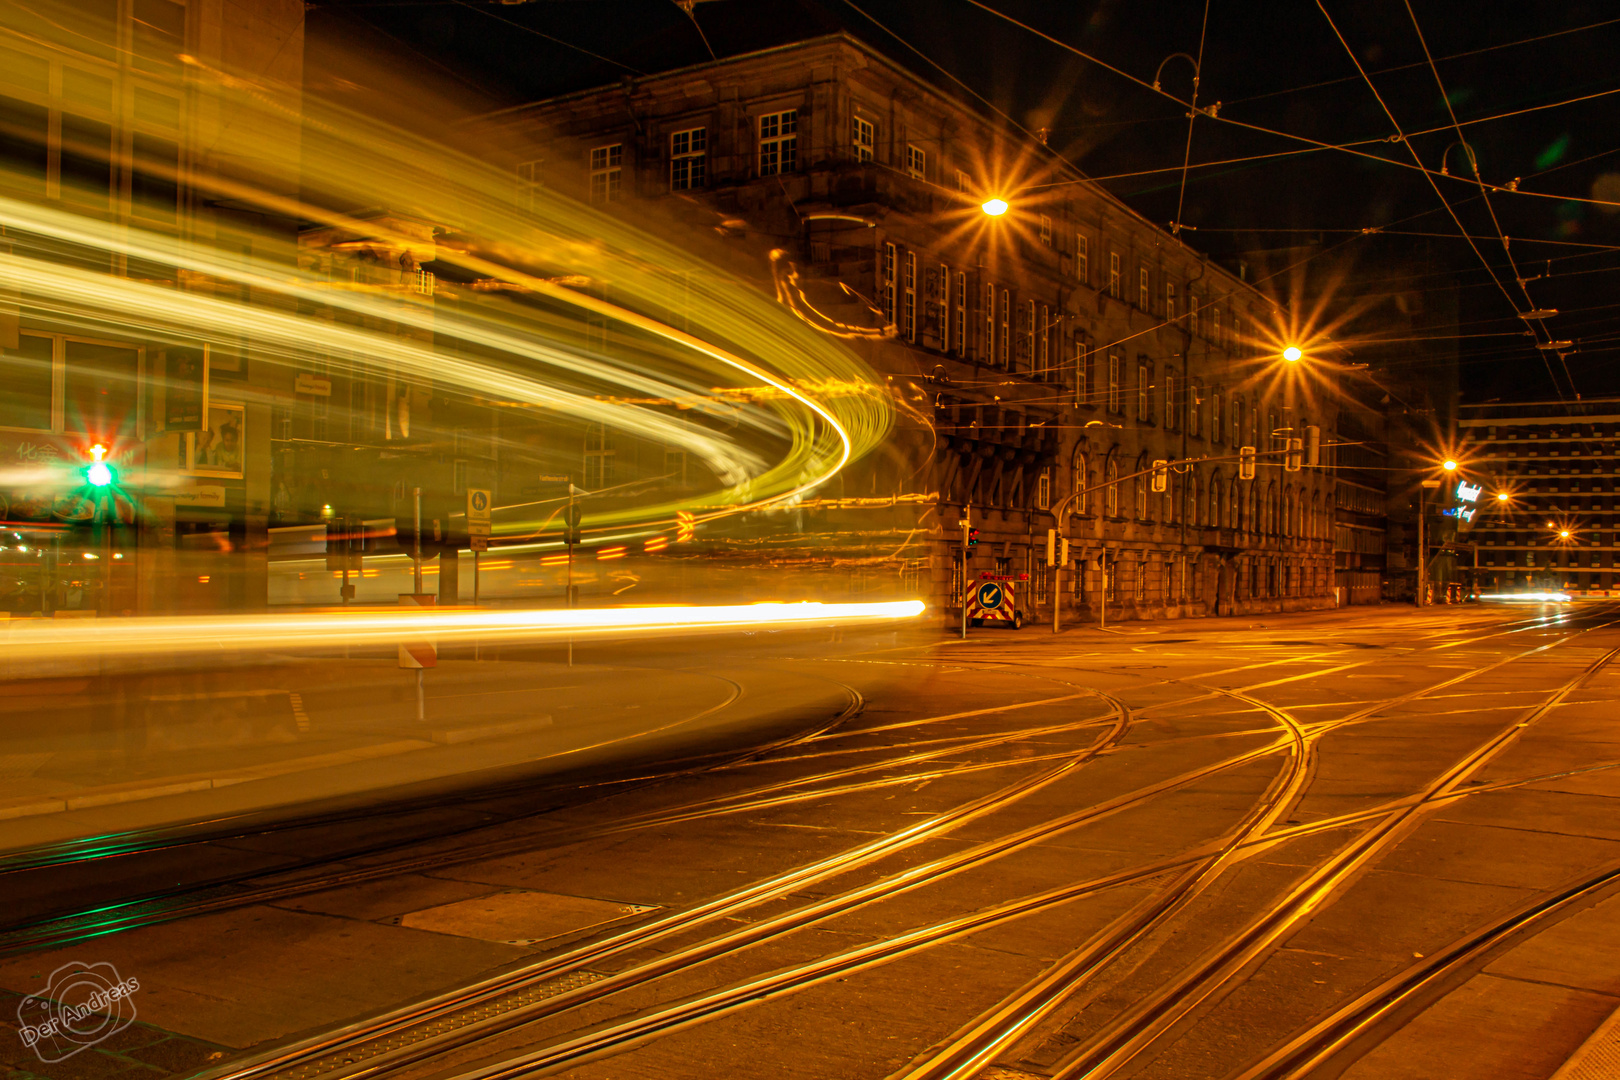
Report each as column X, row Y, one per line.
column 182, row 637
column 573, row 313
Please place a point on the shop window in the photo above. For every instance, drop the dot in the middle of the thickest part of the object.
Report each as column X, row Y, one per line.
column 100, row 391
column 26, row 402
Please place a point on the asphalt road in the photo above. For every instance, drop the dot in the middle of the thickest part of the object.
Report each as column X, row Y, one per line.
column 1371, row 843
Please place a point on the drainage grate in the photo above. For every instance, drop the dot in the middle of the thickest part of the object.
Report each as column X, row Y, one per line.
column 506, row 1003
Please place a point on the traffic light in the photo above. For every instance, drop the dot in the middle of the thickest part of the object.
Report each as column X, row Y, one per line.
column 1294, row 459
column 973, row 538
column 1051, row 547
column 1161, row 474
column 99, row 473
column 1246, row 463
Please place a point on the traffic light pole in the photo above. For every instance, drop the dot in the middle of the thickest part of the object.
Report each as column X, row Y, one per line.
column 416, row 555
column 568, row 536
column 967, row 523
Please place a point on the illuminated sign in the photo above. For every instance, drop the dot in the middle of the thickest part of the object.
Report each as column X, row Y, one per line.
column 1467, row 492
column 1458, row 512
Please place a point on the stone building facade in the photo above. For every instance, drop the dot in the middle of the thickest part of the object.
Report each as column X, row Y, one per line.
column 1045, row 358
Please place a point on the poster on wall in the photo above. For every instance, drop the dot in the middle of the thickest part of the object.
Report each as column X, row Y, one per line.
column 216, row 450
column 185, row 387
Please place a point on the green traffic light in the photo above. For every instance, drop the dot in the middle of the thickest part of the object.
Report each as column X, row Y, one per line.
column 99, row 474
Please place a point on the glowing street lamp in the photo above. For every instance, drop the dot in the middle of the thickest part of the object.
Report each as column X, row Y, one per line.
column 1449, row 465
column 994, row 207
column 1292, row 354
column 1563, row 534
column 1502, row 496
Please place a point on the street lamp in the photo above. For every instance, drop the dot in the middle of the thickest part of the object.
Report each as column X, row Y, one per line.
column 1502, row 496
column 1292, row 354
column 994, row 207
column 1449, row 465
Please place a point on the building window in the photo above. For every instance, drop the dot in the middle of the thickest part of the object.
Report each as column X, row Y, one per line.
column 1142, row 393
column 1195, row 410
column 688, row 159
column 1030, row 331
column 1192, row 314
column 778, row 143
column 598, row 457
column 1111, row 492
column 1143, row 297
column 865, row 138
column 1082, row 370
column 1045, row 344
column 989, row 356
column 942, row 300
column 1046, row 230
column 961, row 316
column 1113, row 382
column 1169, row 301
column 1082, row 258
column 916, row 163
column 1215, row 325
column 1043, row 489
column 1006, row 328
column 607, row 173
column 908, row 297
column 1113, row 274
column 888, row 284
column 964, row 182
column 1170, row 403
column 1082, row 479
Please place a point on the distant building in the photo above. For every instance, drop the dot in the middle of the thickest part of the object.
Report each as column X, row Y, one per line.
column 1057, row 351
column 1557, row 463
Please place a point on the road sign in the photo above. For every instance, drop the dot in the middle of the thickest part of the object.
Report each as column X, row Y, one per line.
column 685, row 526
column 552, row 478
column 990, row 595
column 477, row 542
column 478, row 511
column 418, row 654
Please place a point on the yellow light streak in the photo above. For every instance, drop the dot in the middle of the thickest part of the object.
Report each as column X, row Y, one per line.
column 29, row 641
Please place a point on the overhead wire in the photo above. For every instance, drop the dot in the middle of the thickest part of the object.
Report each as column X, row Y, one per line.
column 1473, row 161
column 1192, row 118
column 1436, row 187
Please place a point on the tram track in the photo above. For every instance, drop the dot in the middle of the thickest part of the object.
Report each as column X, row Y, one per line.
column 1153, row 1018
column 433, row 1026
column 612, row 1037
column 1196, row 871
column 418, row 1033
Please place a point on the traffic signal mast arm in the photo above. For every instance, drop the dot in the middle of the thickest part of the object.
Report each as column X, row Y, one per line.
column 1282, row 453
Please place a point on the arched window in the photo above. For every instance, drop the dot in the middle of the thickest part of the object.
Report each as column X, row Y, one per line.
column 1195, row 505
column 1082, row 480
column 1139, row 489
column 1234, row 505
column 1111, row 492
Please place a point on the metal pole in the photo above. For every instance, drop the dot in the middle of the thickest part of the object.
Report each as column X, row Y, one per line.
column 1422, row 552
column 416, row 497
column 568, row 537
column 1057, row 581
column 475, row 577
column 1102, row 605
column 967, row 527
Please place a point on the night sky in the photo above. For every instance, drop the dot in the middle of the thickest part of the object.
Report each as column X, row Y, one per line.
column 1297, row 219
